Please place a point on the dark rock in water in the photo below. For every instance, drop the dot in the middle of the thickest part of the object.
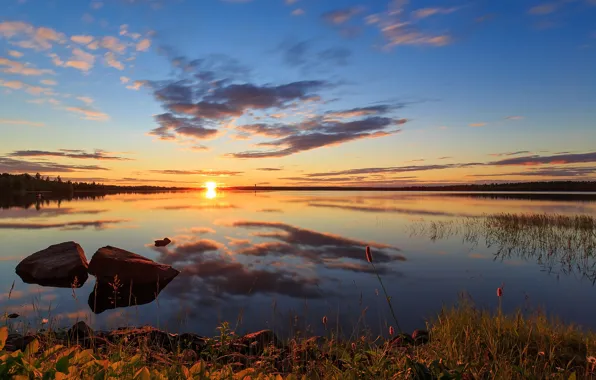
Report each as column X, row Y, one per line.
column 126, row 279
column 12, row 316
column 163, row 242
column 420, row 337
column 109, row 262
column 61, row 265
column 105, row 297
column 80, row 331
column 401, row 340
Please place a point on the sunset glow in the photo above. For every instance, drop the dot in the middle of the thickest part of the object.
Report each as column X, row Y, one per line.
column 377, row 93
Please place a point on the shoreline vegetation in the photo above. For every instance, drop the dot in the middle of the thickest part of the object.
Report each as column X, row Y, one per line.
column 461, row 343
column 26, row 183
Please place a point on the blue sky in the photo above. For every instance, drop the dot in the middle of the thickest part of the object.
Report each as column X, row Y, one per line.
column 310, row 88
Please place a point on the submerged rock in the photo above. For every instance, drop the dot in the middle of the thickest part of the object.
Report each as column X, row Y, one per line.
column 126, row 279
column 163, row 242
column 61, row 265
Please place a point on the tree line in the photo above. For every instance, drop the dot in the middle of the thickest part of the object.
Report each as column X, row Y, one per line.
column 21, row 183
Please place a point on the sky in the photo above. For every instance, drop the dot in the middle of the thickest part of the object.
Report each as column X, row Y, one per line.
column 298, row 92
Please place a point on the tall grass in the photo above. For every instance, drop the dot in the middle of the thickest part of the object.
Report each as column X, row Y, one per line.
column 566, row 243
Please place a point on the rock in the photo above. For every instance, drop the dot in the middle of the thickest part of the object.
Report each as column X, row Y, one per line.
column 257, row 341
column 420, row 337
column 189, row 355
column 80, row 331
column 401, row 340
column 15, row 342
column 163, row 242
column 109, row 262
column 59, row 265
column 12, row 316
column 126, row 279
column 192, row 341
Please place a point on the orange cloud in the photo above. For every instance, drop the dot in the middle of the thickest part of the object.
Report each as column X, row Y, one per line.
column 477, row 124
column 81, row 39
column 89, row 114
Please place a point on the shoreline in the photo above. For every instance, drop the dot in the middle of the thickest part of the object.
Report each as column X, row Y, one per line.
column 462, row 342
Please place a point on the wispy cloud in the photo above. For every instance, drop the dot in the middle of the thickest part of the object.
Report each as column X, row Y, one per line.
column 427, row 12
column 340, row 16
column 21, row 122
column 543, row 9
column 88, row 113
column 201, row 172
column 477, row 124
column 68, row 153
column 12, row 165
column 13, row 67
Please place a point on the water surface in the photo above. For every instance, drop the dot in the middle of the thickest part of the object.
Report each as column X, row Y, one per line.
column 283, row 260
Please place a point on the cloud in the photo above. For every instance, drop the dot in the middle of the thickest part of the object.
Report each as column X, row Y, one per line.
column 269, row 169
column 21, row 122
column 581, row 172
column 11, row 165
column 341, row 16
column 398, row 30
column 532, row 160
column 514, row 118
column 136, row 85
column 322, row 134
column 88, row 113
column 298, row 12
column 48, row 82
column 303, row 55
column 201, row 172
column 78, row 154
column 82, row 39
column 98, row 224
column 85, row 99
column 18, row 85
column 113, row 44
column 543, row 9
column 124, row 79
column 477, row 124
column 172, row 126
column 81, row 60
column 15, row 54
column 12, row 67
column 27, row 36
column 427, row 12
column 112, row 61
column 143, row 45
column 96, row 5
column 13, row 84
column 578, row 158
column 509, row 153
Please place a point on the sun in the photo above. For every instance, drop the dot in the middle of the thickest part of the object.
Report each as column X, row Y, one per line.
column 211, row 185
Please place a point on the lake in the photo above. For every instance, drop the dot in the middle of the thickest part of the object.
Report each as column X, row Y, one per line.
column 284, row 260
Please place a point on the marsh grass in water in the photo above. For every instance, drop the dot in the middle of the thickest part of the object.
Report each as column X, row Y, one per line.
column 566, row 243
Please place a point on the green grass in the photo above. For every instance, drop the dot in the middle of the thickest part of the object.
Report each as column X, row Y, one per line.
column 465, row 343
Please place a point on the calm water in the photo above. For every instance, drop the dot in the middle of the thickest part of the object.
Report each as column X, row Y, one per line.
column 285, row 259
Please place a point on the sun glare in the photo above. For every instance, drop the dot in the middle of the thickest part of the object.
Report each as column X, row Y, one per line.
column 211, row 185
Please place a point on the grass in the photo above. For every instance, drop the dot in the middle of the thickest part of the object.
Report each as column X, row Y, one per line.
column 465, row 343
column 557, row 242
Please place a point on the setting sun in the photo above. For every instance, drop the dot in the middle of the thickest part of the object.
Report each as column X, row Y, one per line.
column 211, row 185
